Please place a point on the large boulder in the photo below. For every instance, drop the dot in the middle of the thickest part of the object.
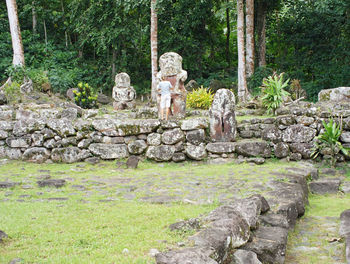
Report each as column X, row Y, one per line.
column 221, row 147
column 245, row 257
column 137, row 147
column 21, row 142
column 194, row 123
column 196, row 152
column 271, row 133
column 253, row 148
column 344, row 231
column 23, row 127
column 195, row 137
column 160, row 153
column 66, row 155
column 269, row 243
column 298, row 134
column 109, row 151
column 173, row 136
column 63, row 127
column 335, row 95
column 281, row 150
column 186, row 256
column 38, row 155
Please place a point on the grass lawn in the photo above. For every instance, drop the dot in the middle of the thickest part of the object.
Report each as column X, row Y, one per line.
column 97, row 224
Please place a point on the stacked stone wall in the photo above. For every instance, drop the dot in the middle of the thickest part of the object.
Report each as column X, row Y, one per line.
column 43, row 134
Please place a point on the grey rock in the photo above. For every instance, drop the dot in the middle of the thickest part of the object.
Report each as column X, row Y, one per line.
column 117, row 140
column 298, row 134
column 28, row 126
column 185, row 226
column 3, row 134
column 69, row 113
column 3, row 235
column 269, row 243
column 36, row 154
column 257, row 161
column 50, row 143
column 160, row 153
column 178, row 157
column 70, row 93
column 84, row 143
column 21, row 142
column 295, row 156
column 109, row 151
column 37, row 140
column 6, row 125
column 345, row 137
column 324, row 186
column 194, row 123
column 344, row 229
column 196, row 137
column 221, row 147
column 305, row 120
column 83, row 125
column 281, row 150
column 105, row 126
column 154, row 139
column 132, row 162
column 272, row 219
column 3, row 99
column 346, row 187
column 13, row 153
column 69, row 141
column 245, row 257
column 186, row 256
column 167, row 124
column 133, row 127
column 272, row 134
column 103, row 99
column 335, row 95
column 173, row 136
column 196, row 152
column 47, row 133
column 286, row 120
column 305, row 149
column 66, row 155
column 7, row 185
column 191, row 85
column 137, row 147
column 57, row 183
column 253, row 148
column 222, row 117
column 62, row 127
column 92, row 160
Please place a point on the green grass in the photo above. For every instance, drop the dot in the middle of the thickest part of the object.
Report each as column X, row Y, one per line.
column 85, row 230
column 316, row 229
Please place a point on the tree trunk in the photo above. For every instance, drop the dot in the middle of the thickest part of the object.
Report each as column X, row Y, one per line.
column 228, row 36
column 261, row 28
column 154, row 48
column 17, row 46
column 45, row 33
column 114, row 58
column 250, row 45
column 242, row 81
column 34, row 16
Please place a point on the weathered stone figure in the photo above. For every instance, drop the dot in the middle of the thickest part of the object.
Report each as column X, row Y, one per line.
column 222, row 116
column 170, row 65
column 123, row 94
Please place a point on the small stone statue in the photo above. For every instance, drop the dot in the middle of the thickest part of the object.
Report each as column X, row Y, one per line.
column 123, row 94
column 171, row 70
column 222, row 118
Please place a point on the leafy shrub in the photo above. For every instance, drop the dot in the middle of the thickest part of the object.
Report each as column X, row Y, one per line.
column 273, row 92
column 255, row 81
column 39, row 78
column 17, row 73
column 329, row 139
column 201, row 98
column 85, row 96
column 13, row 92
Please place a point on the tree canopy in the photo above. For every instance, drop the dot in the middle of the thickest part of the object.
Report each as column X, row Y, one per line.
column 81, row 40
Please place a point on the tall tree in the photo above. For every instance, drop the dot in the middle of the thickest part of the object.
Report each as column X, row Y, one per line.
column 250, row 45
column 242, row 80
column 17, row 46
column 154, row 47
column 228, row 31
column 261, row 32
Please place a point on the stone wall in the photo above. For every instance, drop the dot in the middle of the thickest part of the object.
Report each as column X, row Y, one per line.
column 40, row 133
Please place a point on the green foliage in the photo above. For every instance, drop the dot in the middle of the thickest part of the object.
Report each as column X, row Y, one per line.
column 85, row 96
column 12, row 92
column 39, row 78
column 201, row 98
column 255, row 81
column 17, row 73
column 329, row 139
column 273, row 92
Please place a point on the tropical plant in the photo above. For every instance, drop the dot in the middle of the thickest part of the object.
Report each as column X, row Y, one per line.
column 12, row 92
column 85, row 96
column 201, row 98
column 273, row 92
column 329, row 139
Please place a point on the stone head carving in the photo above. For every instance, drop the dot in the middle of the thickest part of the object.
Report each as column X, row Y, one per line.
column 170, row 64
column 122, row 80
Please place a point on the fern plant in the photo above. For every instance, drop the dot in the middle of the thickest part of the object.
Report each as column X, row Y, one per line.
column 201, row 98
column 329, row 139
column 273, row 92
